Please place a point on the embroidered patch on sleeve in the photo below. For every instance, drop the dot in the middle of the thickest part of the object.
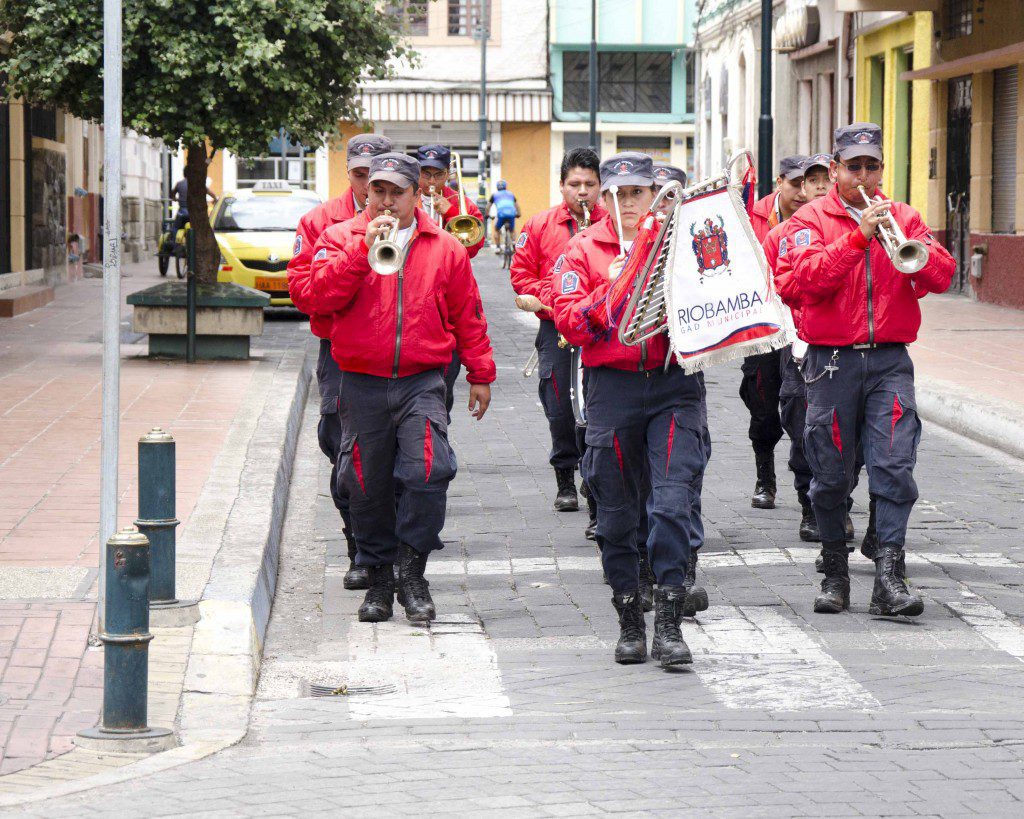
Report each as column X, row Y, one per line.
column 783, row 244
column 570, row 281
column 298, row 245
column 521, row 241
column 320, row 254
column 802, row 237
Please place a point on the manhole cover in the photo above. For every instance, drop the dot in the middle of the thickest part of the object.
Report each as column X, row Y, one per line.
column 349, row 690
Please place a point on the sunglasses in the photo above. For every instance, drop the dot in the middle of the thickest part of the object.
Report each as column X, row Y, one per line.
column 857, row 167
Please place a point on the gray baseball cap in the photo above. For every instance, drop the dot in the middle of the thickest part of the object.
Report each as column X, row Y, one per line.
column 859, row 139
column 665, row 173
column 397, row 168
column 627, row 168
column 792, row 167
column 364, row 147
column 816, row 161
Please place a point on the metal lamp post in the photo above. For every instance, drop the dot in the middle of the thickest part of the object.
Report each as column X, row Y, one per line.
column 765, row 125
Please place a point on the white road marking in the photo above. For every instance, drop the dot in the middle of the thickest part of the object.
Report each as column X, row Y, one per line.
column 993, row 625
column 753, row 657
column 447, row 670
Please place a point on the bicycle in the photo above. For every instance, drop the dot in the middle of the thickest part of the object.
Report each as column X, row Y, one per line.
column 172, row 246
column 507, row 247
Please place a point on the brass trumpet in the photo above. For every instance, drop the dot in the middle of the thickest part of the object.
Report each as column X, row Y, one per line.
column 908, row 255
column 586, row 214
column 430, row 207
column 385, row 256
column 467, row 229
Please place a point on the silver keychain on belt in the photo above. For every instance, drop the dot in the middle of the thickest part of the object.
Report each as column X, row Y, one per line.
column 831, row 367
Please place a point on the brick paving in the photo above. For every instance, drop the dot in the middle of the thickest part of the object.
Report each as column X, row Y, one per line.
column 511, row 706
column 51, row 683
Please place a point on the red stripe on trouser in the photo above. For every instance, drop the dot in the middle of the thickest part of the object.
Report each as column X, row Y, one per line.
column 897, row 413
column 428, row 451
column 671, row 435
column 554, row 383
column 357, row 464
column 837, row 439
column 618, row 453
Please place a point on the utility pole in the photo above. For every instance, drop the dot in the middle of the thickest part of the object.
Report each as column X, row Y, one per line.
column 484, row 21
column 111, row 391
column 765, row 127
column 593, row 76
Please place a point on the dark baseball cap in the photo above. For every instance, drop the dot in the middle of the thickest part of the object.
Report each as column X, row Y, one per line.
column 627, row 168
column 397, row 168
column 859, row 139
column 665, row 173
column 816, row 161
column 792, row 167
column 363, row 148
column 434, row 156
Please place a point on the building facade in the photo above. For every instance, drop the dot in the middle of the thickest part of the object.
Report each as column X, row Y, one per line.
column 645, row 79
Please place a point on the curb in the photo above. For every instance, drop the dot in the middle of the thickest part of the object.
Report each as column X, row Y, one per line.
column 988, row 421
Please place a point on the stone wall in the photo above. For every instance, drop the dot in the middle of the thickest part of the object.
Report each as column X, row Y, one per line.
column 49, row 214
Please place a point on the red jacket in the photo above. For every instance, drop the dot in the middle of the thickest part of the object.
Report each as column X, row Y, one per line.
column 453, row 196
column 543, row 239
column 392, row 326
column 847, row 288
column 762, row 211
column 314, row 223
column 773, row 246
column 579, row 286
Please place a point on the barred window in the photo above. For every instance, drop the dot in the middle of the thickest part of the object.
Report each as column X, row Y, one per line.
column 634, row 82
column 957, row 19
column 464, row 17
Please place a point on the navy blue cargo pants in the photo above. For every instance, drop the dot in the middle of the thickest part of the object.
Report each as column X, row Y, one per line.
column 554, row 365
column 793, row 412
column 451, row 375
column 328, row 378
column 395, row 436
column 759, row 389
column 869, row 400
column 643, row 426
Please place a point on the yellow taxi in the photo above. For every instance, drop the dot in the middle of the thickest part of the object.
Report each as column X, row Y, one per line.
column 256, row 232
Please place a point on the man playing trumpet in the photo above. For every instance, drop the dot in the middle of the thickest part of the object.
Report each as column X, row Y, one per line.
column 543, row 239
column 858, row 314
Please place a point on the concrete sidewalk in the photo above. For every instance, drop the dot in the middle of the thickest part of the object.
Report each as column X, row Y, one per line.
column 51, row 683
column 969, row 363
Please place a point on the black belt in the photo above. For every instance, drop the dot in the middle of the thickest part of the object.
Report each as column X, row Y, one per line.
column 877, row 345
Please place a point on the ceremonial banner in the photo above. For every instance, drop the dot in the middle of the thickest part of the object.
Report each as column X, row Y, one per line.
column 722, row 303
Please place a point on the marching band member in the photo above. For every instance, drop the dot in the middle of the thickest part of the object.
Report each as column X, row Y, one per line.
column 361, row 150
column 858, row 313
column 543, row 239
column 759, row 387
column 643, row 423
column 391, row 335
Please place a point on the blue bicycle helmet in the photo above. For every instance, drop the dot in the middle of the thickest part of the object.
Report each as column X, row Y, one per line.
column 502, row 185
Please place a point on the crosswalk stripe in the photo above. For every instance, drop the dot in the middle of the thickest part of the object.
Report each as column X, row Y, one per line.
column 447, row 670
column 753, row 657
column 993, row 625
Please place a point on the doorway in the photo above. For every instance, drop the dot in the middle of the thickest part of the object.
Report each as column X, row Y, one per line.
column 958, row 177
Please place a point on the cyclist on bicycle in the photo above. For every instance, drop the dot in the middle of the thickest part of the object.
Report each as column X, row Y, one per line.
column 507, row 211
column 179, row 194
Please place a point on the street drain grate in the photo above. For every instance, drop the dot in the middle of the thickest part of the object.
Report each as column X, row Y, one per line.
column 349, row 690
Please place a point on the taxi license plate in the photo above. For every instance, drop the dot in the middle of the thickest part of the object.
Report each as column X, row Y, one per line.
column 278, row 285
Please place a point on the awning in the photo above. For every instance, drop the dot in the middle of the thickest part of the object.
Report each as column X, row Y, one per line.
column 887, row 5
column 457, row 106
column 983, row 61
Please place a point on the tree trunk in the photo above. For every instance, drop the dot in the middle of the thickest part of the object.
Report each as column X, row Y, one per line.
column 207, row 251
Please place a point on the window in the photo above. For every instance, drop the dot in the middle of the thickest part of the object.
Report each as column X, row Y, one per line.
column 413, row 16
column 957, row 19
column 691, row 79
column 297, row 165
column 43, row 122
column 464, row 17
column 633, row 82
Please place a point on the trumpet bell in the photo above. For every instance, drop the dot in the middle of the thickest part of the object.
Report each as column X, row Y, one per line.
column 385, row 258
column 467, row 229
column 910, row 257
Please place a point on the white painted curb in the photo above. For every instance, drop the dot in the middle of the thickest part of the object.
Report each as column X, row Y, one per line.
column 995, row 423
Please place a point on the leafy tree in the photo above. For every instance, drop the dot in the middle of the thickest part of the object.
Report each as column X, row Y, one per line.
column 209, row 75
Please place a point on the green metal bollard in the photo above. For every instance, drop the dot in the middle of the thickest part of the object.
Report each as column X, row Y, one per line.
column 156, row 512
column 126, row 645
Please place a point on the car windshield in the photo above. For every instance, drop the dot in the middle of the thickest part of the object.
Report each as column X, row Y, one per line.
column 263, row 213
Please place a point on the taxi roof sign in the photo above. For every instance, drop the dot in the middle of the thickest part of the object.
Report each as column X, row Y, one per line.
column 272, row 186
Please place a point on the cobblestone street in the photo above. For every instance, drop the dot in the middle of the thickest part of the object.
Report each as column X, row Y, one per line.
column 510, row 704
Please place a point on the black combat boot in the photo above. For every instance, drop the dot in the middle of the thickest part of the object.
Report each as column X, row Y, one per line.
column 696, row 597
column 764, row 489
column 808, row 525
column 869, row 546
column 835, row 587
column 378, row 604
column 647, row 580
column 891, row 597
column 413, row 589
column 567, row 500
column 632, row 645
column 357, row 577
column 590, row 533
column 668, row 645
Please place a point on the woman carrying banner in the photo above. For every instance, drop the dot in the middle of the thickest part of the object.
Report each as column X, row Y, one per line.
column 643, row 420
